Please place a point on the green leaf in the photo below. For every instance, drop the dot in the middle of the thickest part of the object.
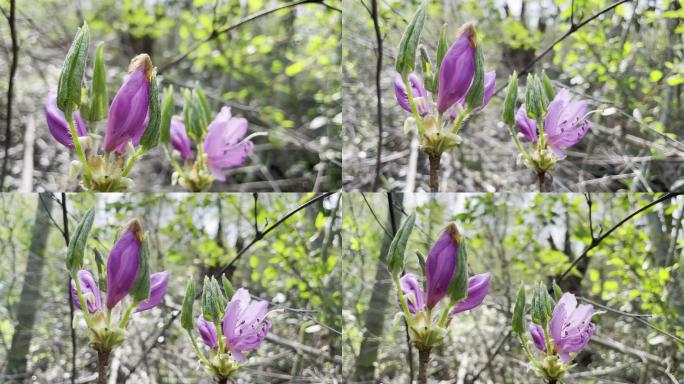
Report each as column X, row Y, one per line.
column 77, row 243
column 539, row 305
column 71, row 77
column 549, row 91
column 406, row 57
column 101, row 268
column 397, row 250
column 475, row 96
column 208, row 301
column 188, row 301
column 458, row 288
column 227, row 287
column 99, row 101
column 511, row 99
column 203, row 103
column 533, row 98
column 557, row 291
column 421, row 261
column 168, row 109
column 141, row 287
column 150, row 137
column 519, row 311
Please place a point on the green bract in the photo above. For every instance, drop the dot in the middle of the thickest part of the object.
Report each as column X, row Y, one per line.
column 150, row 137
column 77, row 243
column 397, row 249
column 141, row 287
column 71, row 78
column 406, row 57
column 188, row 301
column 511, row 98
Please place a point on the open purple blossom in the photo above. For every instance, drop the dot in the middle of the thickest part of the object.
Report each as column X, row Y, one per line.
column 127, row 118
column 89, row 290
column 158, row 283
column 440, row 265
column 244, row 325
column 179, row 139
column 457, row 69
column 563, row 125
column 418, row 92
column 123, row 263
column 222, row 144
column 478, row 287
column 570, row 327
column 57, row 124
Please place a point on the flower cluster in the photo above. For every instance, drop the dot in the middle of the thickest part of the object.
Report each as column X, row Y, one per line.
column 551, row 121
column 458, row 83
column 231, row 323
column 557, row 329
column 445, row 281
column 133, row 118
column 220, row 143
column 129, row 287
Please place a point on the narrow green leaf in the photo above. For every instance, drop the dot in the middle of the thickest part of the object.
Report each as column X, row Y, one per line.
column 406, row 57
column 557, row 291
column 549, row 91
column 101, row 268
column 518, row 322
column 421, row 261
column 532, row 99
column 207, row 301
column 475, row 96
column 168, row 109
column 203, row 103
column 71, row 77
column 539, row 307
column 458, row 289
column 150, row 137
column 77, row 243
column 141, row 287
column 397, row 250
column 227, row 287
column 188, row 301
column 511, row 98
column 99, row 102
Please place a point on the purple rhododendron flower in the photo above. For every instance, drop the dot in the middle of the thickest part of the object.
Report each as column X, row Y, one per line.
column 457, row 69
column 222, row 144
column 89, row 289
column 489, row 85
column 123, row 264
column 127, row 117
column 537, row 333
column 570, row 327
column 57, row 124
column 158, row 283
column 244, row 324
column 179, row 138
column 417, row 91
column 207, row 331
column 563, row 125
column 412, row 290
column 478, row 287
column 440, row 265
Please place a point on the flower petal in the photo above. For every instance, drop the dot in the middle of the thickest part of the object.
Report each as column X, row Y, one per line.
column 158, row 283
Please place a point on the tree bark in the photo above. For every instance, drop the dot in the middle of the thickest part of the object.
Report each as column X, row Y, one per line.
column 30, row 293
column 375, row 315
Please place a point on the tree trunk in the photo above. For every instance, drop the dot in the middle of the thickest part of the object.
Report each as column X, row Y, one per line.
column 30, row 292
column 375, row 315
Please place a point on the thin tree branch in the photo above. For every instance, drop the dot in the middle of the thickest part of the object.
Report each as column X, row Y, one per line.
column 11, row 20
column 573, row 28
column 218, row 32
column 65, row 232
column 378, row 91
column 595, row 242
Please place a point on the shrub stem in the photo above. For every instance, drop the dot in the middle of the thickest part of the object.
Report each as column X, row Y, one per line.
column 434, row 171
column 423, row 360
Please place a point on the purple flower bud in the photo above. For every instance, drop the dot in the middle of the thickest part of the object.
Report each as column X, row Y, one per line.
column 537, row 333
column 440, row 266
column 89, row 290
column 527, row 126
column 418, row 92
column 571, row 326
column 222, row 144
column 413, row 292
column 244, row 324
column 563, row 124
column 457, row 69
column 478, row 287
column 128, row 112
column 57, row 124
column 123, row 263
column 158, row 283
column 207, row 331
column 179, row 138
column 489, row 85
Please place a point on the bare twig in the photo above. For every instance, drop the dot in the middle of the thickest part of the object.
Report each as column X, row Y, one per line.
column 65, row 232
column 378, row 90
column 11, row 20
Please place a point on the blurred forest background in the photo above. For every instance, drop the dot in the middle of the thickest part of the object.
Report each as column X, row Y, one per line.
column 629, row 58
column 293, row 266
column 280, row 71
column 634, row 274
